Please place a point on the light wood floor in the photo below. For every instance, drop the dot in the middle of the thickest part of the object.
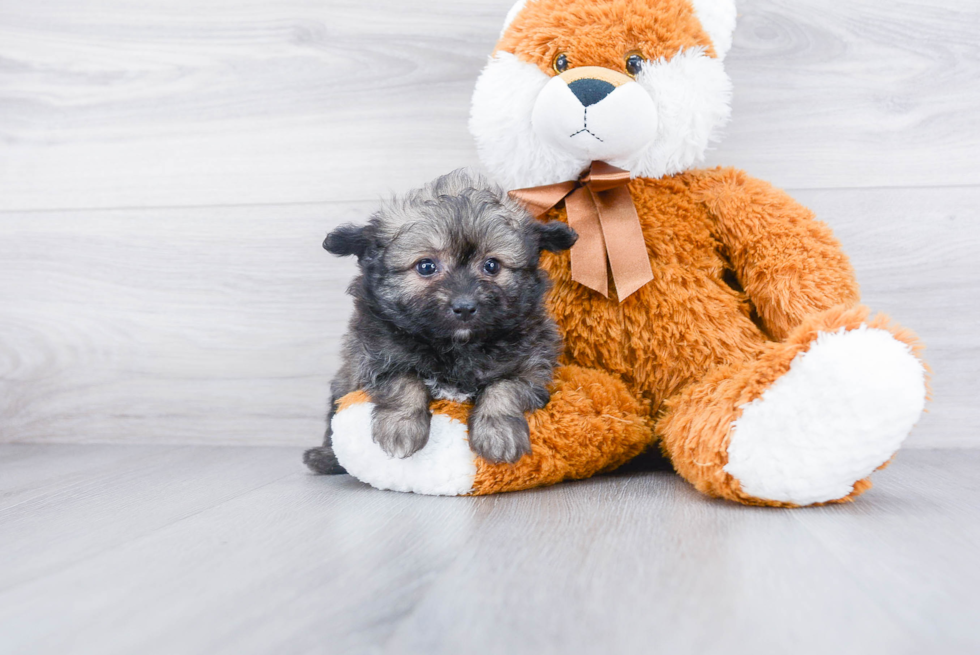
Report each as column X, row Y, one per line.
column 186, row 550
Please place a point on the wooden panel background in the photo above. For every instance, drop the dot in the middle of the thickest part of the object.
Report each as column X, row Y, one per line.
column 168, row 170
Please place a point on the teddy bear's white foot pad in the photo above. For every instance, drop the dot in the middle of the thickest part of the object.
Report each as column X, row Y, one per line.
column 444, row 467
column 840, row 412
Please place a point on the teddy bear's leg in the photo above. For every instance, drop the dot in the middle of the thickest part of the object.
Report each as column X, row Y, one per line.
column 591, row 424
column 805, row 421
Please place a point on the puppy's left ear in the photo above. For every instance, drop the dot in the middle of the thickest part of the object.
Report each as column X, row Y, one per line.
column 348, row 240
column 554, row 236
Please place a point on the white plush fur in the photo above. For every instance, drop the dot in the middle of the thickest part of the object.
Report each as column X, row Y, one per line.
column 445, row 467
column 500, row 121
column 717, row 17
column 840, row 412
column 687, row 101
column 693, row 94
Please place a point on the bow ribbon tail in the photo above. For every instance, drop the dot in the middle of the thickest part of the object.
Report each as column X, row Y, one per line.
column 589, row 253
column 623, row 237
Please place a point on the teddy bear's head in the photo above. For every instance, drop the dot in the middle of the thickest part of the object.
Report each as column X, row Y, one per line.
column 638, row 84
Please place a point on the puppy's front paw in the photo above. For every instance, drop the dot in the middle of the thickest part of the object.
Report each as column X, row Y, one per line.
column 400, row 433
column 500, row 438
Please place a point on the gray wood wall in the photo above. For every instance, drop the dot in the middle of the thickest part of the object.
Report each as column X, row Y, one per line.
column 168, row 169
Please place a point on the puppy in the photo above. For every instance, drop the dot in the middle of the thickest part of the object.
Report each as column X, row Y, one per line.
column 449, row 303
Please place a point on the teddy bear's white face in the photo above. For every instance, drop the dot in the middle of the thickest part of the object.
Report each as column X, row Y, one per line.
column 638, row 84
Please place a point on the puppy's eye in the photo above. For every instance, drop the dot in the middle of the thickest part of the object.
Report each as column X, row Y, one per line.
column 560, row 63
column 426, row 267
column 634, row 63
column 491, row 267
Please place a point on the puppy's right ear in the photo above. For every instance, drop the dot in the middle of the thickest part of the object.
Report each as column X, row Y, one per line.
column 348, row 240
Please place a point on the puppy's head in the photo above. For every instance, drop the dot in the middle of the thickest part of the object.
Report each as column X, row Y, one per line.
column 454, row 260
column 635, row 83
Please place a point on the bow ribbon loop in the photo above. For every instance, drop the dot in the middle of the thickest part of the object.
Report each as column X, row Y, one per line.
column 601, row 210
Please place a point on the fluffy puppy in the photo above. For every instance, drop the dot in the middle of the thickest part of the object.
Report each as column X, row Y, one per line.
column 449, row 303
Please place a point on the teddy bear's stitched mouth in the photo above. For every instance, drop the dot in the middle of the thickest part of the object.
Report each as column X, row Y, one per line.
column 585, row 128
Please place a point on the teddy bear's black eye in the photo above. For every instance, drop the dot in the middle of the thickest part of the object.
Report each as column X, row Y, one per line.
column 491, row 267
column 426, row 267
column 634, row 64
column 560, row 64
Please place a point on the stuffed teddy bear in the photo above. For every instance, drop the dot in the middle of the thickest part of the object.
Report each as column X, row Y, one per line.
column 703, row 311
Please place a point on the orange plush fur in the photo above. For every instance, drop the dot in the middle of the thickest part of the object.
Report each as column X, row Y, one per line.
column 592, row 425
column 708, row 349
column 693, row 345
column 594, row 35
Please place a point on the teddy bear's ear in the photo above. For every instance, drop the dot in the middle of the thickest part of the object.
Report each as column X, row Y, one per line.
column 718, row 20
column 512, row 14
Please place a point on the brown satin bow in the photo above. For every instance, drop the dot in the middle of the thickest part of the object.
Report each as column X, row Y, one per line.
column 600, row 209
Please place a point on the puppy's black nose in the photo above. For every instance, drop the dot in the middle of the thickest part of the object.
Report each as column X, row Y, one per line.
column 589, row 91
column 464, row 308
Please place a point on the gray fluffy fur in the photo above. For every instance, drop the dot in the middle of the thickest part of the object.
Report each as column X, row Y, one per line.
column 472, row 329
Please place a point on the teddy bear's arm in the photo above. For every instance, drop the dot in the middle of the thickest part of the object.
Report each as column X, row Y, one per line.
column 790, row 264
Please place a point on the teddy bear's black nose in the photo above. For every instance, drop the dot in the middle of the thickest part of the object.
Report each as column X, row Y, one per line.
column 590, row 91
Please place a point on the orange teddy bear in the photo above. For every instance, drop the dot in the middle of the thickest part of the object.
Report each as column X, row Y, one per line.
column 702, row 310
